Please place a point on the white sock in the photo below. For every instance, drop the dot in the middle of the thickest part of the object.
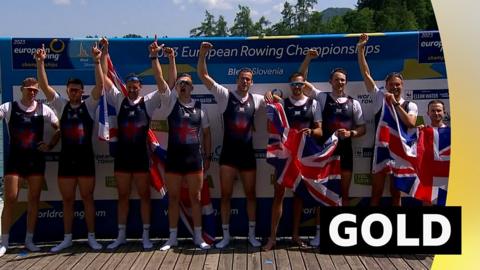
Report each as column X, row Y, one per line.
column 198, row 239
column 316, row 241
column 67, row 242
column 5, row 239
column 172, row 240
column 226, row 237
column 29, row 243
column 92, row 242
column 121, row 239
column 251, row 234
column 4, row 245
column 146, row 237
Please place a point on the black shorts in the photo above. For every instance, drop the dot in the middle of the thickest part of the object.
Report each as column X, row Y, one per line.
column 344, row 149
column 131, row 161
column 25, row 164
column 240, row 157
column 74, row 165
column 184, row 160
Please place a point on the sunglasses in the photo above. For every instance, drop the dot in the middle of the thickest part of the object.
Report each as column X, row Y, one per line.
column 31, row 89
column 184, row 83
column 297, row 84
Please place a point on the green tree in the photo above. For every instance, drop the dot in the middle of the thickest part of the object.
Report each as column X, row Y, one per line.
column 260, row 27
column 132, row 36
column 424, row 13
column 221, row 29
column 336, row 25
column 395, row 18
column 243, row 24
column 360, row 21
column 287, row 23
column 302, row 11
column 207, row 27
column 315, row 24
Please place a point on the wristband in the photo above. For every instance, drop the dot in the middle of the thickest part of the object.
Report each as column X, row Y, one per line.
column 153, row 57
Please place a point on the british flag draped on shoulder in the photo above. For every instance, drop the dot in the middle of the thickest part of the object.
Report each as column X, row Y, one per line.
column 418, row 159
column 157, row 153
column 297, row 158
column 158, row 156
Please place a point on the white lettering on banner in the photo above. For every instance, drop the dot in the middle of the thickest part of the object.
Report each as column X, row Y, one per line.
column 436, row 44
column 258, row 71
column 33, row 51
column 51, row 213
column 295, row 49
column 276, row 52
column 265, row 51
column 187, row 51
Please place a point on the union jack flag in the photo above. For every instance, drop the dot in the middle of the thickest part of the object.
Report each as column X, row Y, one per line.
column 298, row 159
column 418, row 159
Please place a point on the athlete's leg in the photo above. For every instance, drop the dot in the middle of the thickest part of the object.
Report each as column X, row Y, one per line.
column 124, row 183
column 67, row 187
column 249, row 185
column 277, row 209
column 142, row 181
column 227, row 176
column 174, row 184
column 378, row 183
column 87, row 187
column 34, row 189
column 345, row 186
column 195, row 182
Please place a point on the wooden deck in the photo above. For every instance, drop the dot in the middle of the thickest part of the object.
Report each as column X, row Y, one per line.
column 239, row 256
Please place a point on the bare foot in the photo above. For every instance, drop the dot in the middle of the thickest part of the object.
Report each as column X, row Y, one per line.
column 270, row 245
column 298, row 242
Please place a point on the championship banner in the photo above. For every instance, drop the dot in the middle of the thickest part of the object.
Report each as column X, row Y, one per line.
column 417, row 55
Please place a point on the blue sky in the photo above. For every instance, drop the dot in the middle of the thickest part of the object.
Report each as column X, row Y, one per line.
column 174, row 18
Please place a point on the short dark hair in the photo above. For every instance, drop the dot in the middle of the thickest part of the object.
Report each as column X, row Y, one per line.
column 436, row 101
column 339, row 70
column 29, row 81
column 244, row 69
column 392, row 75
column 184, row 75
column 296, row 74
column 75, row 81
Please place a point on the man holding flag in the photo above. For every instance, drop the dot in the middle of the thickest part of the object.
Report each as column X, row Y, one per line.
column 303, row 116
column 131, row 162
column 407, row 115
column 430, row 169
column 341, row 114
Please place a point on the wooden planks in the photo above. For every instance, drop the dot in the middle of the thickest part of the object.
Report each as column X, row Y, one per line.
column 240, row 255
